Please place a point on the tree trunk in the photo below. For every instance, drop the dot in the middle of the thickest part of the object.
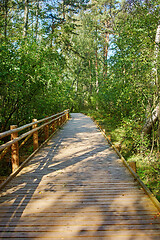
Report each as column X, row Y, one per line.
column 90, row 76
column 151, row 120
column 26, row 11
column 157, row 42
column 96, row 68
column 37, row 14
column 97, row 82
column 158, row 131
column 106, row 44
column 5, row 18
column 63, row 10
column 156, row 112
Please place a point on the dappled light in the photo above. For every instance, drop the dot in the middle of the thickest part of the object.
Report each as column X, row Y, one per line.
column 76, row 187
column 79, row 120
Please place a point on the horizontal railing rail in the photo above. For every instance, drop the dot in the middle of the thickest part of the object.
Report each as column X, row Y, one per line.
column 55, row 122
column 7, row 133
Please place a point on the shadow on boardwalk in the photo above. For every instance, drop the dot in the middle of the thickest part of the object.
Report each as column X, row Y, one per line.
column 76, row 188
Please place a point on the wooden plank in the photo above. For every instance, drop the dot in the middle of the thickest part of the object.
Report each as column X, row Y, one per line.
column 136, row 177
column 59, row 217
column 77, row 197
column 91, row 238
column 19, row 191
column 81, row 222
column 12, row 175
column 108, row 202
column 68, row 208
column 69, row 180
column 91, row 217
column 82, row 231
column 107, row 198
column 93, row 227
column 119, row 184
column 69, row 212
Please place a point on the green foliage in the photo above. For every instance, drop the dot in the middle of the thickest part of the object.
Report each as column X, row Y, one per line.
column 149, row 173
column 126, row 135
column 97, row 57
column 30, row 84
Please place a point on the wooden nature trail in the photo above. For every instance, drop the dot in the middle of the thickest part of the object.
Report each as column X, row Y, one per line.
column 76, row 187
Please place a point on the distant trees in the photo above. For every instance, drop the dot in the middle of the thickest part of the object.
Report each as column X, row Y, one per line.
column 78, row 54
column 132, row 88
column 33, row 79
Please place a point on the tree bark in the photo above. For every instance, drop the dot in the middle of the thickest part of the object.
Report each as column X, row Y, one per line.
column 96, row 69
column 106, row 44
column 156, row 112
column 90, row 76
column 63, row 10
column 106, row 36
column 37, row 14
column 157, row 41
column 26, row 11
column 151, row 121
column 5, row 18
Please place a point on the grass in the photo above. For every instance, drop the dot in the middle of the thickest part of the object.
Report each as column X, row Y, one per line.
column 126, row 135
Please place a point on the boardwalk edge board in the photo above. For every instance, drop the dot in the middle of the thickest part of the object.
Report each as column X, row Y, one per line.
column 136, row 177
column 12, row 175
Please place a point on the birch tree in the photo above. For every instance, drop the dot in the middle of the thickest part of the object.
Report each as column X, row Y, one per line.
column 155, row 115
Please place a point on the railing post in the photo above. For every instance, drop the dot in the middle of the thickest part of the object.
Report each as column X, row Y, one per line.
column 35, row 136
column 46, row 131
column 61, row 120
column 53, row 126
column 109, row 137
column 132, row 164
column 14, row 150
column 57, row 122
column 68, row 114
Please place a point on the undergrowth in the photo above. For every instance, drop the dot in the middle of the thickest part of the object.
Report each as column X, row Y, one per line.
column 126, row 135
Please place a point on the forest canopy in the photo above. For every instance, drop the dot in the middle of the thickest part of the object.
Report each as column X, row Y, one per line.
column 100, row 57
column 78, row 55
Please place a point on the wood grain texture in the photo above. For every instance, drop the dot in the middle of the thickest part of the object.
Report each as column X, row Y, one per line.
column 77, row 188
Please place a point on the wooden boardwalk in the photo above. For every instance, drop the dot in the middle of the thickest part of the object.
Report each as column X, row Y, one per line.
column 77, row 188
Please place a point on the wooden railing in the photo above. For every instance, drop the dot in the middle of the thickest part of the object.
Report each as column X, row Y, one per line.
column 49, row 124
